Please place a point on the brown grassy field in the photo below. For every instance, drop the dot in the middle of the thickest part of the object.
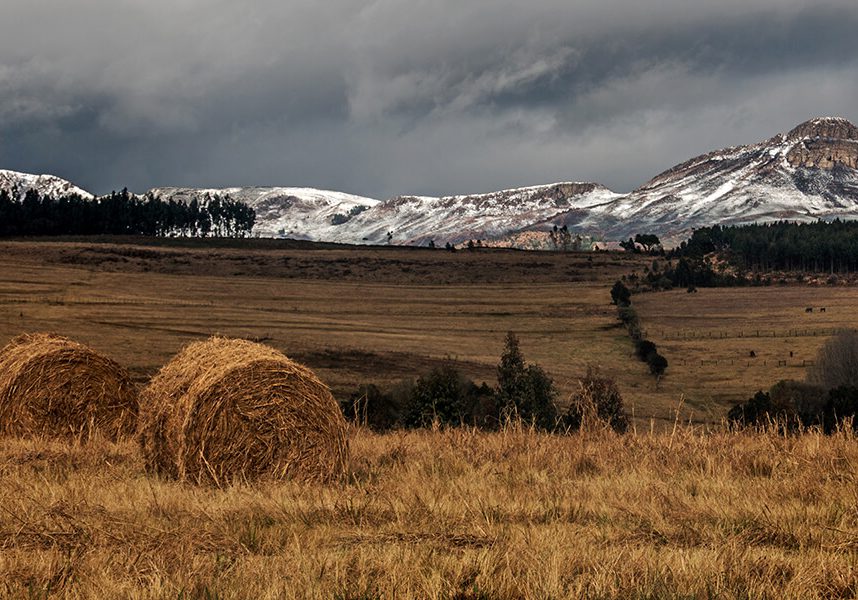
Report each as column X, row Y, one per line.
column 670, row 510
column 708, row 338
column 447, row 514
column 353, row 315
column 378, row 315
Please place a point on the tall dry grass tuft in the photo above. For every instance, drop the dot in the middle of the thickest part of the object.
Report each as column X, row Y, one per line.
column 227, row 409
column 596, row 404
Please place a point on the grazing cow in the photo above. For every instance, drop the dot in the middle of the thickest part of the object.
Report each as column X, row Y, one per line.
column 821, row 309
column 808, row 309
column 753, row 354
column 790, row 353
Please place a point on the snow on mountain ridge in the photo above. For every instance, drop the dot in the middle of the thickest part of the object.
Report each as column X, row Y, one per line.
column 283, row 211
column 805, row 174
column 18, row 184
column 418, row 219
column 321, row 215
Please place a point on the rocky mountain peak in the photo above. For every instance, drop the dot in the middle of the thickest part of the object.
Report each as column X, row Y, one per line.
column 831, row 128
column 824, row 143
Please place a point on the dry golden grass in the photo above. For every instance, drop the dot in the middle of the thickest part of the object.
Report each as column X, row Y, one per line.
column 657, row 513
column 447, row 514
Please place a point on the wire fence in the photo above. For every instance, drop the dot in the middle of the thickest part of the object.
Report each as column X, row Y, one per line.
column 740, row 334
column 749, row 362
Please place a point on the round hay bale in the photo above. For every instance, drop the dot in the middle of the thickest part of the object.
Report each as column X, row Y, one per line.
column 225, row 410
column 53, row 386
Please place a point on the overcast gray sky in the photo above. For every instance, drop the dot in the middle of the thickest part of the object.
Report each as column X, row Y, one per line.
column 408, row 96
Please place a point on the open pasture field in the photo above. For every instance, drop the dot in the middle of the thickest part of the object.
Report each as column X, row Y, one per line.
column 353, row 315
column 382, row 314
column 708, row 338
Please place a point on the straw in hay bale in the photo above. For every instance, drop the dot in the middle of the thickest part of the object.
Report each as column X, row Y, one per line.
column 226, row 409
column 51, row 385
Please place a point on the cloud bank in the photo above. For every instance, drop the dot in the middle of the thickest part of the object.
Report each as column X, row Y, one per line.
column 395, row 96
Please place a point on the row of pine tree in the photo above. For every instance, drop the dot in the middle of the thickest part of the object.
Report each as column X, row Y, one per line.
column 122, row 213
column 818, row 246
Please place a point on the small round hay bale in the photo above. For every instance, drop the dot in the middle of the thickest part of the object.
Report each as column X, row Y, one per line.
column 53, row 386
column 225, row 410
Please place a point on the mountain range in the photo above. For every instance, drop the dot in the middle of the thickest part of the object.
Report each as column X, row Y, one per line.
column 809, row 173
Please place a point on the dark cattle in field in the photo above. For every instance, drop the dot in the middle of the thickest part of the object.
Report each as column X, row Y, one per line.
column 790, row 353
column 808, row 309
column 821, row 309
column 753, row 354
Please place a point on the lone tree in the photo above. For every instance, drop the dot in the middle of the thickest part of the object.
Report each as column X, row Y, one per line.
column 524, row 391
column 836, row 362
column 649, row 241
column 561, row 238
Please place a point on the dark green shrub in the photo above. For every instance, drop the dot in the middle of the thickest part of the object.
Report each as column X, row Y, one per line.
column 524, row 391
column 439, row 396
column 644, row 349
column 628, row 316
column 842, row 404
column 620, row 294
column 657, row 364
column 481, row 406
column 761, row 410
column 805, row 400
column 371, row 407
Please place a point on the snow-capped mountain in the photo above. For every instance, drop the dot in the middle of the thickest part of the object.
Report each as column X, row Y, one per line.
column 418, row 219
column 299, row 213
column 306, row 213
column 804, row 175
column 18, row 184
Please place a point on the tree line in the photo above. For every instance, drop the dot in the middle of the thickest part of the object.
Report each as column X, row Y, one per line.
column 123, row 213
column 787, row 246
column 645, row 349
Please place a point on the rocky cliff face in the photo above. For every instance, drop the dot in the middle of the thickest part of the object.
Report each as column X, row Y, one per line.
column 824, row 144
column 824, row 128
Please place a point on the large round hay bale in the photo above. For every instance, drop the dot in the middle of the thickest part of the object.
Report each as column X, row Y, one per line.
column 226, row 410
column 53, row 386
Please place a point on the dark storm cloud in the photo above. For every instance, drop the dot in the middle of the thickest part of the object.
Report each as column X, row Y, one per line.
column 422, row 96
